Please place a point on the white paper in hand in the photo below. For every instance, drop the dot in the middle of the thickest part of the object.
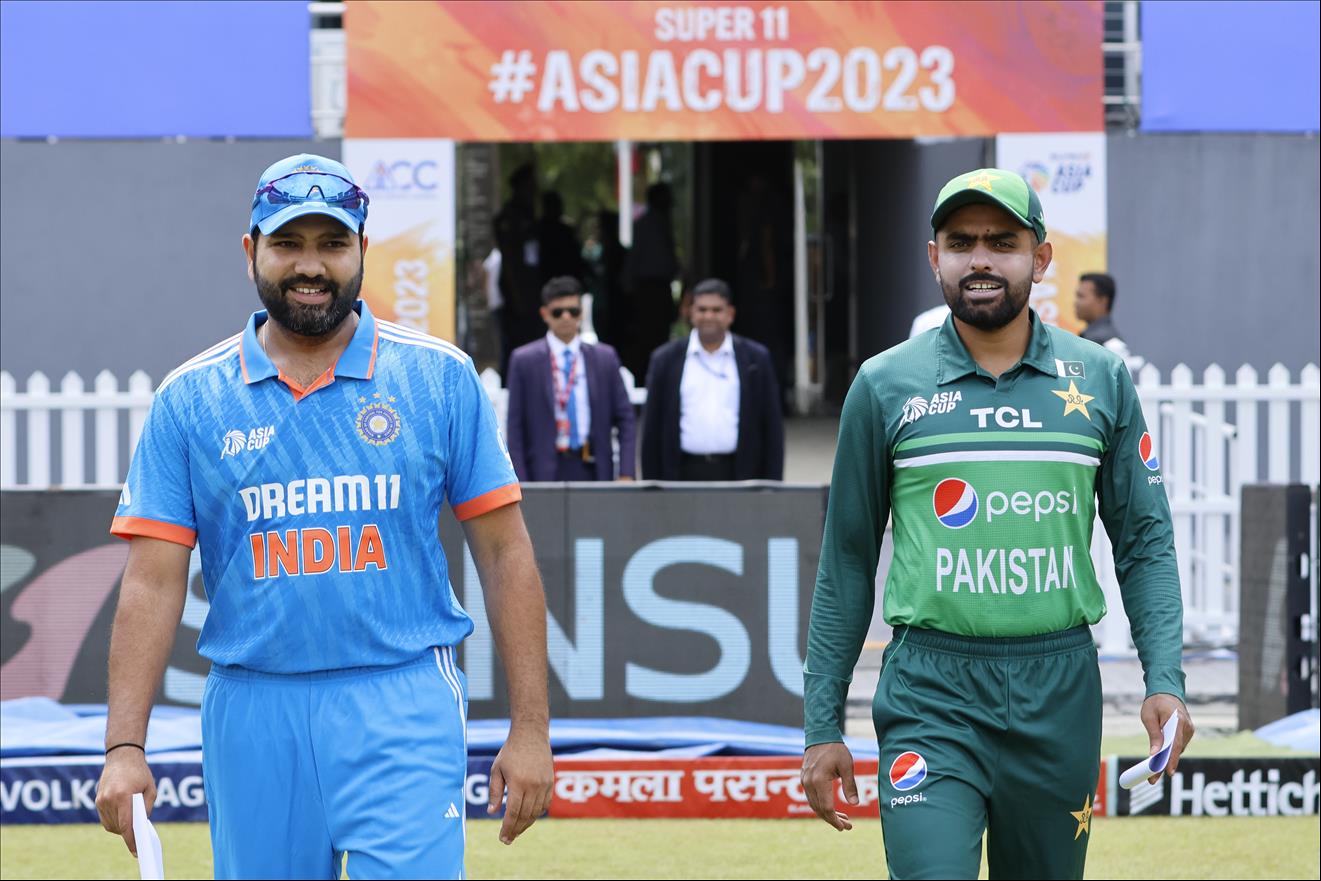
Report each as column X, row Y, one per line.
column 1154, row 764
column 151, row 864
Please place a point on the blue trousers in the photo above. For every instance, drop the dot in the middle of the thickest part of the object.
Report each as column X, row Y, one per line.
column 362, row 768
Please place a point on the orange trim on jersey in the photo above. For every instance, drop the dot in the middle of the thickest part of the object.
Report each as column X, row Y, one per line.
column 243, row 363
column 321, row 381
column 129, row 528
column 376, row 338
column 487, row 502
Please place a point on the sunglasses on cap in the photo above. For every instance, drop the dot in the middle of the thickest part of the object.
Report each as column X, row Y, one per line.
column 312, row 186
column 558, row 311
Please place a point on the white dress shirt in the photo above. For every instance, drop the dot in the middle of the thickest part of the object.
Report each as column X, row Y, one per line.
column 708, row 399
column 584, row 406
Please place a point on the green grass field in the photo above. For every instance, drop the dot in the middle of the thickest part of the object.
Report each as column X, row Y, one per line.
column 1140, row 847
column 1128, row 847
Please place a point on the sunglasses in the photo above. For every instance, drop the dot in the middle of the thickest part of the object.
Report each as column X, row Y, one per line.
column 558, row 311
column 312, row 186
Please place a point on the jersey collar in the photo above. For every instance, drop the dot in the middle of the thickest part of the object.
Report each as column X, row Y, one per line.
column 358, row 360
column 955, row 362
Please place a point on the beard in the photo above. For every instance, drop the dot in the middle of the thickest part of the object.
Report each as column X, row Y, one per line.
column 987, row 316
column 304, row 319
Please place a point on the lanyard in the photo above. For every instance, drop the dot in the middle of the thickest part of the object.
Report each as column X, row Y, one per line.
column 702, row 361
column 563, row 388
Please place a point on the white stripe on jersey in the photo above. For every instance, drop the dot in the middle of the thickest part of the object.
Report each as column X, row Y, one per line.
column 206, row 359
column 427, row 343
column 402, row 330
column 998, row 456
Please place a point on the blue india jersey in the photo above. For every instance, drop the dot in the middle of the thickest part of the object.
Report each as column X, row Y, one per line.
column 316, row 509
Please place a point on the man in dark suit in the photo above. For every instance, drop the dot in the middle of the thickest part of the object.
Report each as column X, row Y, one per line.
column 566, row 397
column 713, row 401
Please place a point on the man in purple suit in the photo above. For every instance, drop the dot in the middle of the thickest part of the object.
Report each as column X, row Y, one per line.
column 566, row 398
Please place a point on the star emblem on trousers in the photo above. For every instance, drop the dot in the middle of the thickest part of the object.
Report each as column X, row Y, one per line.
column 1084, row 818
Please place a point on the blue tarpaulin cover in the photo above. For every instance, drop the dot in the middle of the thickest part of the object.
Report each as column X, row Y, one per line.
column 38, row 726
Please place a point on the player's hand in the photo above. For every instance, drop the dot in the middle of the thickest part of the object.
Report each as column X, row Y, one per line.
column 1156, row 711
column 125, row 773
column 524, row 765
column 823, row 764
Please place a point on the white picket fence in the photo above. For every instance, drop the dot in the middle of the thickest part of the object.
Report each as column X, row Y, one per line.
column 1213, row 437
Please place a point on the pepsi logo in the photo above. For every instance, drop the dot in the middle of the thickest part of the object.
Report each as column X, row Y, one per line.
column 907, row 771
column 1147, row 452
column 955, row 502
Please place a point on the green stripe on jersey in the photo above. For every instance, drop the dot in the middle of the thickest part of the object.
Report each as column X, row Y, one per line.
column 997, row 437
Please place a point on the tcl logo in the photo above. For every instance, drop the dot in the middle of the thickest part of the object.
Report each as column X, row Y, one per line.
column 1005, row 417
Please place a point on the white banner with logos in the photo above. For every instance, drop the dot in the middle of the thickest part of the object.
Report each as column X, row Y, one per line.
column 410, row 229
column 1068, row 172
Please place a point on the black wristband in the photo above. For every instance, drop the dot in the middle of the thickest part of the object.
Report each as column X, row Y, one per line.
column 127, row 743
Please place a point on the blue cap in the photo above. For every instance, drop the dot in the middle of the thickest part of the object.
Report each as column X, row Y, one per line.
column 307, row 184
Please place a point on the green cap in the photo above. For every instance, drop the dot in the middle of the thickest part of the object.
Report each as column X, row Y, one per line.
column 993, row 186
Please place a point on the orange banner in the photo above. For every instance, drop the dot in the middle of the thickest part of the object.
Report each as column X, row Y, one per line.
column 608, row 69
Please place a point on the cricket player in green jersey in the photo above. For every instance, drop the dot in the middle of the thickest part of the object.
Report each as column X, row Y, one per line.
column 991, row 443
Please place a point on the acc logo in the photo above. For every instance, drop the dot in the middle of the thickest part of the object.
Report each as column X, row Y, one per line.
column 1147, row 451
column 907, row 771
column 955, row 503
column 402, row 176
column 235, row 441
column 377, row 423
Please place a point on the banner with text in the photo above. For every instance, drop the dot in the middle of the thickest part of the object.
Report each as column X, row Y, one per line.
column 509, row 71
column 409, row 274
column 1068, row 173
column 660, row 602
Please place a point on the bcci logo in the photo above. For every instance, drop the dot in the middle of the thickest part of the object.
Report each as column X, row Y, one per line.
column 914, row 409
column 377, row 423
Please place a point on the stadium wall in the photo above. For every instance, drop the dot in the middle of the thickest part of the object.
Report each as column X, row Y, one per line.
column 125, row 255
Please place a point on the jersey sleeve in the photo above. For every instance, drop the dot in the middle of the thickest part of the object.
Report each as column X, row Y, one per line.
column 1132, row 503
column 479, row 476
column 157, row 499
column 845, row 592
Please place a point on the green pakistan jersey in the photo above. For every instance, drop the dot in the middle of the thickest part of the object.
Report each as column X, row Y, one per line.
column 993, row 486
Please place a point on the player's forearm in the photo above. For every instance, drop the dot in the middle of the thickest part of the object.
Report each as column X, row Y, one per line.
column 145, row 622
column 517, row 609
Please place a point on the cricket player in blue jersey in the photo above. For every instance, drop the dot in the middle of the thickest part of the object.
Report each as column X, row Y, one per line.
column 308, row 457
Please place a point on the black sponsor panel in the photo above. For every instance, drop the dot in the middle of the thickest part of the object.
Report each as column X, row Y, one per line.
column 1266, row 787
column 674, row 601
column 1277, row 646
column 662, row 601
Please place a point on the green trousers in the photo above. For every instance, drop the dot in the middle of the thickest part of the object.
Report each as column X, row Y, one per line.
column 1000, row 737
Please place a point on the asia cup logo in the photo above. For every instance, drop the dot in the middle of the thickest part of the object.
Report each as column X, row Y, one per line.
column 914, row 409
column 233, row 443
column 1036, row 175
column 955, row 502
column 907, row 771
column 377, row 423
column 1147, row 452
